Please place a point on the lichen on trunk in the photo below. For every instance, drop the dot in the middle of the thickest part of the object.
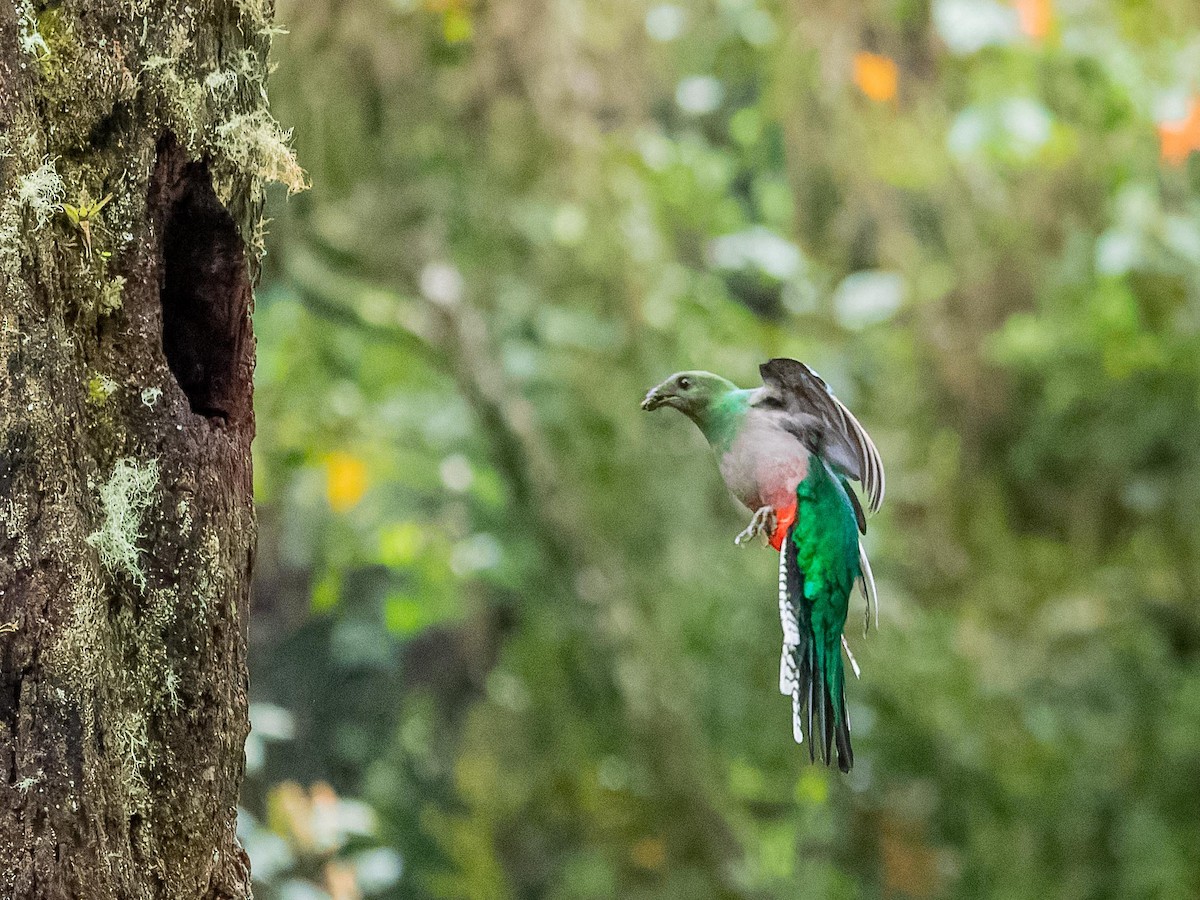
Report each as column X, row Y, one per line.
column 131, row 184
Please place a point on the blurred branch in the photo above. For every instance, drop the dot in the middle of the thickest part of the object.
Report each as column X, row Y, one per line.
column 509, row 424
column 366, row 306
column 453, row 336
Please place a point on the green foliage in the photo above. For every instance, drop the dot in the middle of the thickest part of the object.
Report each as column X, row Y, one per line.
column 504, row 605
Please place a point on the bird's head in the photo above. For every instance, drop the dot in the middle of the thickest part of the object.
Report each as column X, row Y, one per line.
column 692, row 393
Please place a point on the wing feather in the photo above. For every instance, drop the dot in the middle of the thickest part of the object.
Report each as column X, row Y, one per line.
column 794, row 387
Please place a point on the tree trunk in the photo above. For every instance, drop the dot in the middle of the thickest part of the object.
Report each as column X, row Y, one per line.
column 126, row 516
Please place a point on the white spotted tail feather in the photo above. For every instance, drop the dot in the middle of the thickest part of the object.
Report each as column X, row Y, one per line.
column 789, row 676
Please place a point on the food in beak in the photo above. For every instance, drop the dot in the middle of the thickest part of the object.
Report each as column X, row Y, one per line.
column 653, row 400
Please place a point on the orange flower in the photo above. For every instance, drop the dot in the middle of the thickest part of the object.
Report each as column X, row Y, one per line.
column 1036, row 17
column 876, row 76
column 1177, row 139
column 345, row 481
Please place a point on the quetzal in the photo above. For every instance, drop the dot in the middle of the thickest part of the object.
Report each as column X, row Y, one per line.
column 787, row 450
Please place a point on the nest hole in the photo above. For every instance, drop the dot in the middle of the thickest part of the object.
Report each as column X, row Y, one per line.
column 204, row 289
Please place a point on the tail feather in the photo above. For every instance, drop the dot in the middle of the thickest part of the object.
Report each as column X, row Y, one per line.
column 845, row 751
column 810, row 701
column 788, row 674
column 813, row 675
column 867, row 581
column 822, row 699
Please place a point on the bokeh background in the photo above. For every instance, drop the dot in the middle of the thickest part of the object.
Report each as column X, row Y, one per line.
column 503, row 645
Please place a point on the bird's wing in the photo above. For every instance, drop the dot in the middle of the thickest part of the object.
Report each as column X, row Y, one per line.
column 821, row 418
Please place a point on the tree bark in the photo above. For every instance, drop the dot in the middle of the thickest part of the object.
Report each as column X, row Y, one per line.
column 126, row 517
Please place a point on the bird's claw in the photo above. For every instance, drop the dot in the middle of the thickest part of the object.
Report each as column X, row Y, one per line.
column 762, row 523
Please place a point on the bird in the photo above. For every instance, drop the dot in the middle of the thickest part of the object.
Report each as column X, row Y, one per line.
column 787, row 451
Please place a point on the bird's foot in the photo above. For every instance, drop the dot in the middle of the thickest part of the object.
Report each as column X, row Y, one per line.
column 762, row 523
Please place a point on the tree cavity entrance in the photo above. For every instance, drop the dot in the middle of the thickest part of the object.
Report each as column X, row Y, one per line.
column 204, row 288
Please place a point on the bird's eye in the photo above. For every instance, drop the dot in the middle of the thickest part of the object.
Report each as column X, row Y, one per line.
column 685, row 383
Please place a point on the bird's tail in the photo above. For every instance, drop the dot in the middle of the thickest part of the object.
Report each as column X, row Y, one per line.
column 810, row 670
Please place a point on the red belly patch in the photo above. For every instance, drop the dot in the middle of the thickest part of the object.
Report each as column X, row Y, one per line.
column 783, row 521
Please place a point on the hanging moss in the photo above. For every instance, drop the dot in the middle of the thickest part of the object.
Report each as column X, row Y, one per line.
column 124, row 498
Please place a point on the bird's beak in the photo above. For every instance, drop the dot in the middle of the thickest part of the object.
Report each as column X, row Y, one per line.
column 656, row 398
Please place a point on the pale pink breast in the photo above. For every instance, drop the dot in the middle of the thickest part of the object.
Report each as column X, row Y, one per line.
column 764, row 465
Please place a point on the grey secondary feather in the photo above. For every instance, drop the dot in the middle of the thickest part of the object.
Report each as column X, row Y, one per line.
column 823, row 423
